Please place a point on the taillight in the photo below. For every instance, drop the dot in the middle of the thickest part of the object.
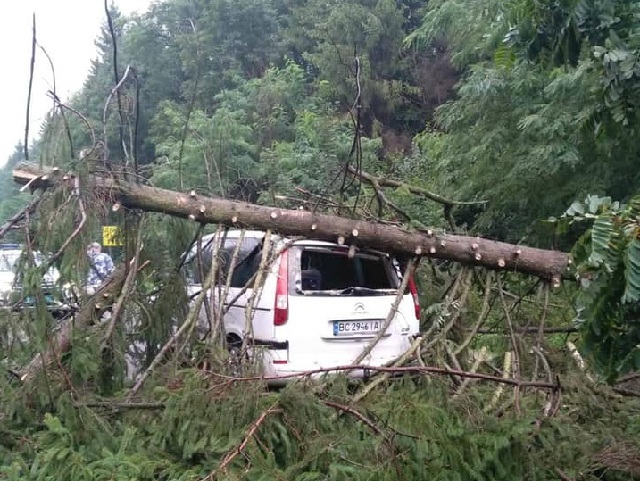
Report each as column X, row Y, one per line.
column 414, row 294
column 281, row 306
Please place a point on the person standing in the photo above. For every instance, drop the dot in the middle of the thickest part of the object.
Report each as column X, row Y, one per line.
column 100, row 267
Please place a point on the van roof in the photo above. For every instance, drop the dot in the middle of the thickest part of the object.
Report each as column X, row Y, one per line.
column 258, row 234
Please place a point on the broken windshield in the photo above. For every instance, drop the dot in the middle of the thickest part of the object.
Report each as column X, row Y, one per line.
column 331, row 271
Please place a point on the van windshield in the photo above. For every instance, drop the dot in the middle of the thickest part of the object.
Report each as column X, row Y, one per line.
column 330, row 271
column 8, row 260
column 247, row 263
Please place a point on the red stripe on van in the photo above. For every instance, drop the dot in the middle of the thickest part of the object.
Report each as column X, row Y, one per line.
column 414, row 294
column 281, row 304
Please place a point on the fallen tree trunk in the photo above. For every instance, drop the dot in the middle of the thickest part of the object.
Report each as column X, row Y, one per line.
column 491, row 254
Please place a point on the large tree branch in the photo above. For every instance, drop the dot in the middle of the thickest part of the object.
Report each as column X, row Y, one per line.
column 19, row 217
column 384, row 182
column 464, row 249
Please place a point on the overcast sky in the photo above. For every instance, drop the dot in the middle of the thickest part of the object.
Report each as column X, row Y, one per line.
column 67, row 30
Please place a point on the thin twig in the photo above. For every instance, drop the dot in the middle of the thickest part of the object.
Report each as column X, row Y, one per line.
column 540, row 334
column 31, row 69
column 124, row 294
column 463, row 284
column 480, row 357
column 115, row 90
column 531, row 330
column 217, row 318
column 250, row 432
column 116, row 80
column 67, row 380
column 393, row 311
column 257, row 290
column 553, row 403
column 394, row 370
column 403, row 359
column 320, row 199
column 83, row 220
column 192, row 103
column 192, row 317
column 514, row 343
column 506, row 370
column 357, row 414
column 302, row 202
column 357, row 134
column 626, row 392
column 80, row 116
column 53, row 70
column 120, row 405
column 484, row 311
column 454, row 361
column 522, row 298
column 136, row 126
column 217, row 241
column 383, row 201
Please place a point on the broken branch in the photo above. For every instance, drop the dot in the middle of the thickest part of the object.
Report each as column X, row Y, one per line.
column 19, row 217
column 378, row 182
column 230, row 456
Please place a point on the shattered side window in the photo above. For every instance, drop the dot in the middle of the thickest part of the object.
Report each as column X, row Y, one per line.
column 197, row 270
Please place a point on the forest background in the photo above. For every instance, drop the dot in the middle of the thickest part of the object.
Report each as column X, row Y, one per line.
column 526, row 110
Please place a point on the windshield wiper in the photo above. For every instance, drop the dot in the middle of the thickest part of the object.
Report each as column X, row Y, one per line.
column 362, row 291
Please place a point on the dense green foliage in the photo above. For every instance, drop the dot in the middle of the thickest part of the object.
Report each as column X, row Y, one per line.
column 530, row 105
column 544, row 112
column 608, row 260
column 416, row 432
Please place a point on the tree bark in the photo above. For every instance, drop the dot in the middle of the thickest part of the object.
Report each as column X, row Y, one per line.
column 548, row 264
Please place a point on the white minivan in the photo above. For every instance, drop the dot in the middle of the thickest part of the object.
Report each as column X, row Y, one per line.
column 321, row 303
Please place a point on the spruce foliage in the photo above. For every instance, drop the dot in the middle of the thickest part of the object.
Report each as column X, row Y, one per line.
column 267, row 101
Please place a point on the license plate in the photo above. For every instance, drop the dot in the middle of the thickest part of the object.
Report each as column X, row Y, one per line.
column 349, row 328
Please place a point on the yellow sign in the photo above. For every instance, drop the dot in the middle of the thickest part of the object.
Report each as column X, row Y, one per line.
column 111, row 236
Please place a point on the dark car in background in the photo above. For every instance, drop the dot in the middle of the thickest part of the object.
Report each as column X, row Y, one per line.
column 12, row 294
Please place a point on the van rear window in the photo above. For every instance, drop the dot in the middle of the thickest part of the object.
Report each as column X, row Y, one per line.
column 330, row 271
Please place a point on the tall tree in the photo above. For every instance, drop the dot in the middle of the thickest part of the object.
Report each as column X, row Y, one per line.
column 534, row 125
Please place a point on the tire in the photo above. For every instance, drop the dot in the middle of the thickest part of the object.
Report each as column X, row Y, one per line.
column 234, row 347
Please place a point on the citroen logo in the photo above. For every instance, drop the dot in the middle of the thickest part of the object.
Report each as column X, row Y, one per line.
column 359, row 307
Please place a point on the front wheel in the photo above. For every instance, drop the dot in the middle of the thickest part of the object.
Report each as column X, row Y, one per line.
column 236, row 358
